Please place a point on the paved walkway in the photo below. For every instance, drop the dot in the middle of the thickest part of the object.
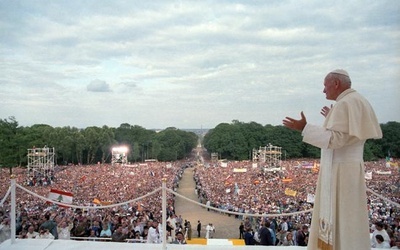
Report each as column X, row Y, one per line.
column 225, row 227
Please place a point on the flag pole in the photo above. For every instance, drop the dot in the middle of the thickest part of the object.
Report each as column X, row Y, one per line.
column 13, row 210
column 164, row 213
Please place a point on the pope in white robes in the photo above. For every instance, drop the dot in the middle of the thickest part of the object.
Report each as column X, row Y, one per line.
column 340, row 218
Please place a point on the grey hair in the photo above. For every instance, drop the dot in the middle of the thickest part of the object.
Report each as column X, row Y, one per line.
column 342, row 78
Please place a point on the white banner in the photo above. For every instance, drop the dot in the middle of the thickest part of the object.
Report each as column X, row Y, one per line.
column 239, row 170
column 310, row 198
column 384, row 172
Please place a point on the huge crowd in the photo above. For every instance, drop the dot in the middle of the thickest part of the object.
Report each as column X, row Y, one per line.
column 251, row 188
column 91, row 186
column 232, row 186
column 248, row 188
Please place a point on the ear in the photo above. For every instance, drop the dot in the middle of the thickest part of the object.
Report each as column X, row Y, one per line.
column 337, row 84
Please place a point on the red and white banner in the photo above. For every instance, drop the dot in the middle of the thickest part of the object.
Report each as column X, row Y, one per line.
column 60, row 196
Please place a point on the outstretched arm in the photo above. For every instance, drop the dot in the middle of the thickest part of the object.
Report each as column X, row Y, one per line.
column 295, row 124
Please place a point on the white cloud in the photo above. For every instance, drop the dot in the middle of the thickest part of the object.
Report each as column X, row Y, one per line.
column 187, row 63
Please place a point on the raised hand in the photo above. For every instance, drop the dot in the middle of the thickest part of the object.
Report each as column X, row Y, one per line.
column 295, row 124
column 325, row 110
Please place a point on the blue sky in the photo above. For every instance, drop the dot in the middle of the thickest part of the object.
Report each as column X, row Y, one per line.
column 192, row 64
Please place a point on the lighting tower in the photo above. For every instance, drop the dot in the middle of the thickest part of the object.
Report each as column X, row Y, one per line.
column 119, row 155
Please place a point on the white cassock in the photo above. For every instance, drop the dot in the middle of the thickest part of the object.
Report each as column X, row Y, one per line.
column 208, row 231
column 153, row 236
column 340, row 217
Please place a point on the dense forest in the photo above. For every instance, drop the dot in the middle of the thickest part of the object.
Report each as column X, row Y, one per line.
column 234, row 141
column 92, row 144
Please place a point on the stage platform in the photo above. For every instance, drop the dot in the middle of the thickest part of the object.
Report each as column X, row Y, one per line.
column 212, row 244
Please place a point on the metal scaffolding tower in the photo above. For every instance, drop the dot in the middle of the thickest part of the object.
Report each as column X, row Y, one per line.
column 269, row 154
column 41, row 162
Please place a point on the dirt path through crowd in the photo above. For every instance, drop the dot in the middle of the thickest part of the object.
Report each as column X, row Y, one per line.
column 226, row 227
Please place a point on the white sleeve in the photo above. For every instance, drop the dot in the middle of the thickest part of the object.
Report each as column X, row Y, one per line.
column 323, row 138
column 316, row 136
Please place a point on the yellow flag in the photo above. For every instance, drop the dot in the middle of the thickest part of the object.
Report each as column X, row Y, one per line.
column 290, row 192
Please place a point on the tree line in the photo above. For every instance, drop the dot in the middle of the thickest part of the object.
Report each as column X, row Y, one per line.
column 92, row 144
column 236, row 141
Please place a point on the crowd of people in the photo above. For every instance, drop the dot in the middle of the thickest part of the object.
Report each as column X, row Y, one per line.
column 248, row 188
column 91, row 186
column 237, row 186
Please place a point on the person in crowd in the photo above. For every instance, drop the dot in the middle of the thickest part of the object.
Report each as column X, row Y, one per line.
column 31, row 234
column 265, row 235
column 380, row 242
column 154, row 233
column 294, row 233
column 96, row 227
column 179, row 219
column 179, row 239
column 22, row 234
column 44, row 233
column 241, row 231
column 273, row 235
column 198, row 229
column 118, row 235
column 249, row 237
column 284, row 227
column 50, row 224
column 302, row 236
column 137, row 238
column 348, row 124
column 210, row 230
column 105, row 232
column 145, row 233
column 170, row 230
column 178, row 227
column 188, row 230
column 80, row 229
column 274, row 225
column 64, row 229
column 379, row 230
column 92, row 235
column 288, row 241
